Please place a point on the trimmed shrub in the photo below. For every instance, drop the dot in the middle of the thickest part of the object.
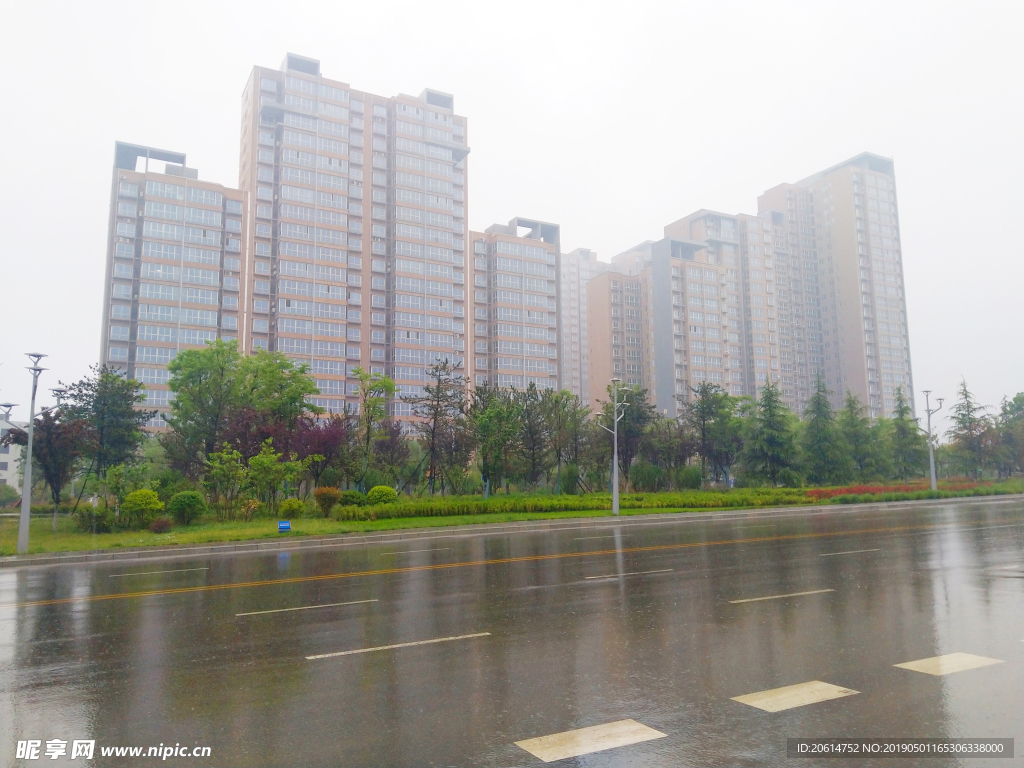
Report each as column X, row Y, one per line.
column 186, row 507
column 689, row 477
column 351, row 499
column 141, row 506
column 382, row 494
column 326, row 497
column 161, row 525
column 88, row 519
column 291, row 508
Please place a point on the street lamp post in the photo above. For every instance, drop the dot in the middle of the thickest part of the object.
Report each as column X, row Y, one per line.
column 26, row 483
column 931, row 444
column 616, row 418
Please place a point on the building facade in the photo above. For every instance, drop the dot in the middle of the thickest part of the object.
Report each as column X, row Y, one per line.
column 811, row 285
column 844, row 246
column 357, row 237
column 575, row 270
column 515, row 304
column 10, row 455
column 173, row 268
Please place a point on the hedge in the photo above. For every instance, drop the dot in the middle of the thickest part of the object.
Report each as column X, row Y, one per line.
column 475, row 505
column 865, row 498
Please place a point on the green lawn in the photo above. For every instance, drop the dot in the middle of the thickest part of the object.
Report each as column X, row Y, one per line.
column 69, row 539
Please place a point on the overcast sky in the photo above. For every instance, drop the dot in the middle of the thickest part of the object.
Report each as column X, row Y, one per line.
column 611, row 119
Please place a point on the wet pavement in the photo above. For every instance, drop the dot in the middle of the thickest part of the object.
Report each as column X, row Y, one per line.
column 319, row 658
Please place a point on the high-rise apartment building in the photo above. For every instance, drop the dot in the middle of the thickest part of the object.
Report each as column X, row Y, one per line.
column 812, row 284
column 576, row 268
column 842, row 226
column 663, row 317
column 174, row 266
column 515, row 304
column 356, row 251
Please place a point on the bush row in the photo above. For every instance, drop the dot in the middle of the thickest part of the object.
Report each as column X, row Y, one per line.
column 474, row 505
column 864, row 498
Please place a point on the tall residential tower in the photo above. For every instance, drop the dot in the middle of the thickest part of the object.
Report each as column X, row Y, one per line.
column 357, row 236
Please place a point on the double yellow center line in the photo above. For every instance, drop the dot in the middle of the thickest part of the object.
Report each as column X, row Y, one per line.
column 476, row 563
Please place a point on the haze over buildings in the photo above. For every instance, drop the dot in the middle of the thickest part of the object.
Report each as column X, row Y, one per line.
column 344, row 247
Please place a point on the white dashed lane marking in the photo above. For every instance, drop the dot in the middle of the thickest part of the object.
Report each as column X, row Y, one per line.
column 396, row 645
column 632, row 573
column 306, row 607
column 948, row 664
column 150, row 573
column 851, row 552
column 585, row 741
column 790, row 696
column 779, row 597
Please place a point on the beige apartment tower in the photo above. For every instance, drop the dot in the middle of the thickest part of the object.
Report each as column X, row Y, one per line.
column 173, row 268
column 842, row 229
column 515, row 304
column 356, row 249
column 811, row 285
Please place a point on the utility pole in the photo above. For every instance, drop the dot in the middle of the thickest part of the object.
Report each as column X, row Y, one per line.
column 616, row 418
column 26, row 483
column 931, row 444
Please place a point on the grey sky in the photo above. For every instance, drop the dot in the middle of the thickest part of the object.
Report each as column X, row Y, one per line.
column 612, row 119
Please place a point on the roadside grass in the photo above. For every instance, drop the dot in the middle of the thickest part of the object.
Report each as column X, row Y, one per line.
column 68, row 538
column 430, row 513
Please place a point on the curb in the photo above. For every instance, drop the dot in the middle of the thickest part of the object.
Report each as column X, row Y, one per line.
column 99, row 556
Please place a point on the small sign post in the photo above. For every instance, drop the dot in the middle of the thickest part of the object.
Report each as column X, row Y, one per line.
column 284, row 525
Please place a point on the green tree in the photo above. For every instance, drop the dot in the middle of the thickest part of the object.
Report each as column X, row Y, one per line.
column 969, row 433
column 534, row 440
column 374, row 391
column 109, row 403
column 710, row 415
column 566, row 415
column 828, row 460
column 632, row 427
column 207, row 388
column 58, row 446
column 494, row 417
column 770, row 449
column 221, row 396
column 1011, row 435
column 861, row 439
column 224, row 477
column 266, row 474
column 141, row 506
column 909, row 445
column 439, row 407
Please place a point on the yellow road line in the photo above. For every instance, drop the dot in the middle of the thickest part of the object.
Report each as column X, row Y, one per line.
column 470, row 563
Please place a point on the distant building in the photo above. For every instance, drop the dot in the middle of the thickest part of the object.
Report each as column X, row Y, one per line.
column 841, row 259
column 812, row 284
column 174, row 266
column 515, row 304
column 10, row 456
column 576, row 269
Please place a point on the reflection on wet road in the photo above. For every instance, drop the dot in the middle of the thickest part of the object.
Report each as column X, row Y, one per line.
column 671, row 644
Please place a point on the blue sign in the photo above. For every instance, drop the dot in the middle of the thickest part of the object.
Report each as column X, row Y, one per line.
column 284, row 525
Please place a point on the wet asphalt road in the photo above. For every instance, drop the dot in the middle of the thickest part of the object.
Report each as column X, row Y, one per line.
column 585, row 628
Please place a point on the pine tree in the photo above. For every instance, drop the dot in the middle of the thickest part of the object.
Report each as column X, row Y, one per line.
column 828, row 454
column 770, row 449
column 909, row 446
column 969, row 433
column 861, row 439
